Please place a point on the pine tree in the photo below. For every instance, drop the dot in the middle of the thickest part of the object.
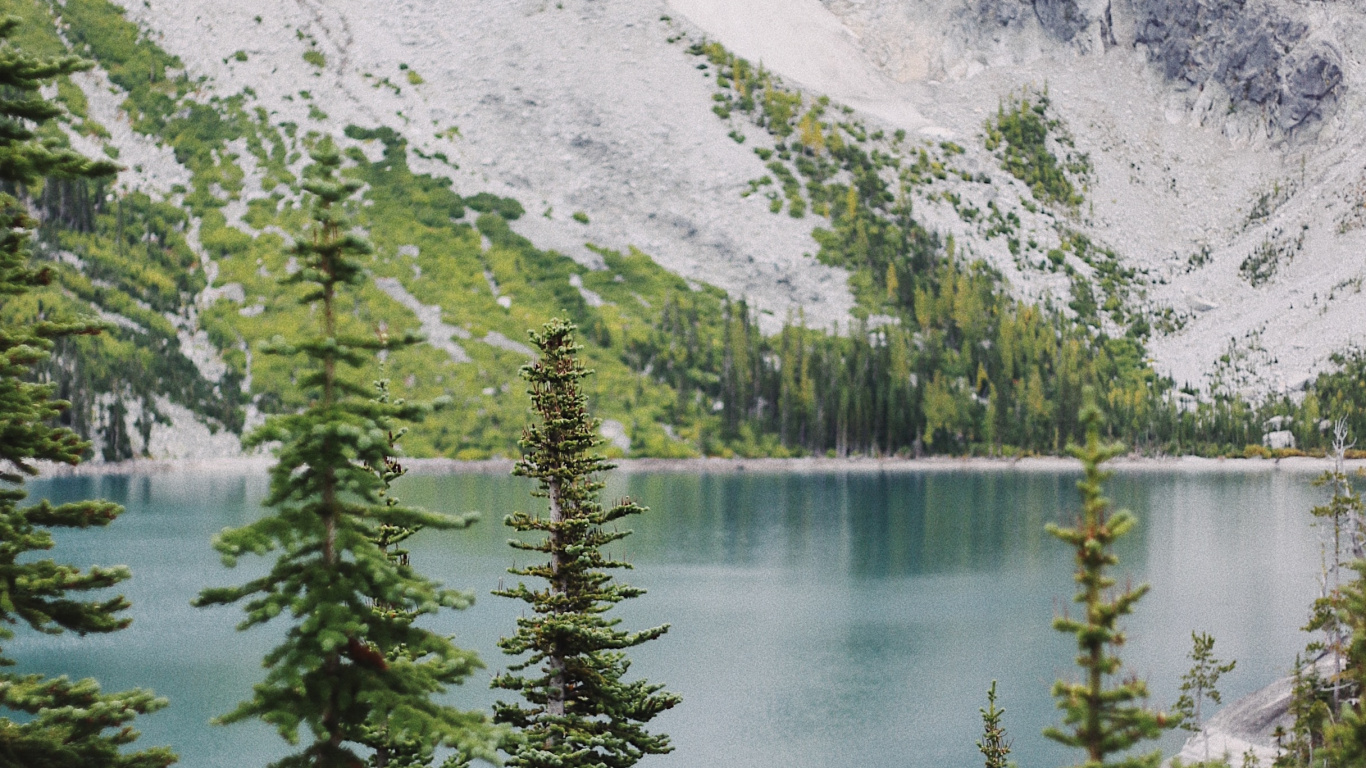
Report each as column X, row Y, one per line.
column 1101, row 720
column 1200, row 683
column 579, row 711
column 351, row 601
column 61, row 723
column 994, row 746
column 1310, row 714
column 1345, row 740
column 1344, row 512
column 1329, row 723
column 391, row 747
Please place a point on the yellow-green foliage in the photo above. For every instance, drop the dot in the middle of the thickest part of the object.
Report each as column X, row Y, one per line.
column 405, row 209
column 99, row 30
column 1019, row 135
column 36, row 33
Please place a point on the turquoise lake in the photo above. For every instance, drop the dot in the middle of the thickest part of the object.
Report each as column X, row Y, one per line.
column 833, row 619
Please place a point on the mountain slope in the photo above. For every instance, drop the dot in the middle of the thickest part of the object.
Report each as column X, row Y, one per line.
column 1045, row 151
column 1227, row 160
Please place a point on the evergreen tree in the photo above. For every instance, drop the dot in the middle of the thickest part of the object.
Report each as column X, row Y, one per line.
column 391, row 747
column 1344, row 513
column 994, row 745
column 1345, row 740
column 579, row 711
column 1101, row 720
column 60, row 723
column 1200, row 683
column 351, row 601
column 1308, row 708
column 1328, row 717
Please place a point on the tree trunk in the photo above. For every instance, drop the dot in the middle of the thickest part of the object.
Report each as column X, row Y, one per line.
column 555, row 662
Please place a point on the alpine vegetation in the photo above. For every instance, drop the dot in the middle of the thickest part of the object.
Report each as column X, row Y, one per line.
column 1103, row 721
column 578, row 711
column 1329, row 725
column 994, row 745
column 1200, row 683
column 351, row 602
column 59, row 722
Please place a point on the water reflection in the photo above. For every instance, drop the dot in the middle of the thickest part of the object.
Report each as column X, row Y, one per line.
column 817, row 619
column 872, row 525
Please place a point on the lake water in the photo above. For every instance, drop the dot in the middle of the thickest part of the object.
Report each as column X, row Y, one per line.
column 818, row 619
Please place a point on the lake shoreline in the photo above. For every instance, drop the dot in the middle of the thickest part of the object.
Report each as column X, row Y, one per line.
column 237, row 465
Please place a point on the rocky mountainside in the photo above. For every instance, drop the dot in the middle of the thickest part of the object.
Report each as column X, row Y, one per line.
column 1213, row 146
column 1228, row 160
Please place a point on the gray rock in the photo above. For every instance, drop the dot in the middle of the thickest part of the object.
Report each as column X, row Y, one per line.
column 1250, row 723
column 1001, row 13
column 1263, row 58
column 1061, row 18
column 1311, row 86
column 1278, row 440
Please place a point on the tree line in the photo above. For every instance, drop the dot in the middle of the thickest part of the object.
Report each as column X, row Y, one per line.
column 940, row 358
column 358, row 674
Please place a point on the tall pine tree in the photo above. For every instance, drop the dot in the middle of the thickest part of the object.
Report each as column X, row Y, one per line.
column 579, row 713
column 335, row 672
column 1330, row 715
column 1104, row 720
column 59, row 723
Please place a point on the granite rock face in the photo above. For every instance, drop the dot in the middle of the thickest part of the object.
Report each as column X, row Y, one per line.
column 1266, row 56
column 1262, row 56
column 1250, row 723
column 1065, row 19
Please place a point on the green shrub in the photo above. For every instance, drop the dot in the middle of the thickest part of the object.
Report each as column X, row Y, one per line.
column 508, row 208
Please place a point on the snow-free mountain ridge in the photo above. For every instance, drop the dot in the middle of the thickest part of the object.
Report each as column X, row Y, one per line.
column 1220, row 134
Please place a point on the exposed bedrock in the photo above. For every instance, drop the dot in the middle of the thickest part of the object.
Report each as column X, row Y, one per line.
column 1078, row 22
column 1249, row 724
column 1276, row 64
column 1066, row 20
column 1261, row 54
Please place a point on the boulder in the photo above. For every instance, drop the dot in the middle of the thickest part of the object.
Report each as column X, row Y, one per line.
column 1061, row 18
column 1278, row 440
column 1249, row 724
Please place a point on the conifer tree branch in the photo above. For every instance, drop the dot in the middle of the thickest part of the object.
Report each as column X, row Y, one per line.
column 62, row 723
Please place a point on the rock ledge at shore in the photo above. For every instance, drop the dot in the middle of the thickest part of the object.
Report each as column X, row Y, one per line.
column 1248, row 724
